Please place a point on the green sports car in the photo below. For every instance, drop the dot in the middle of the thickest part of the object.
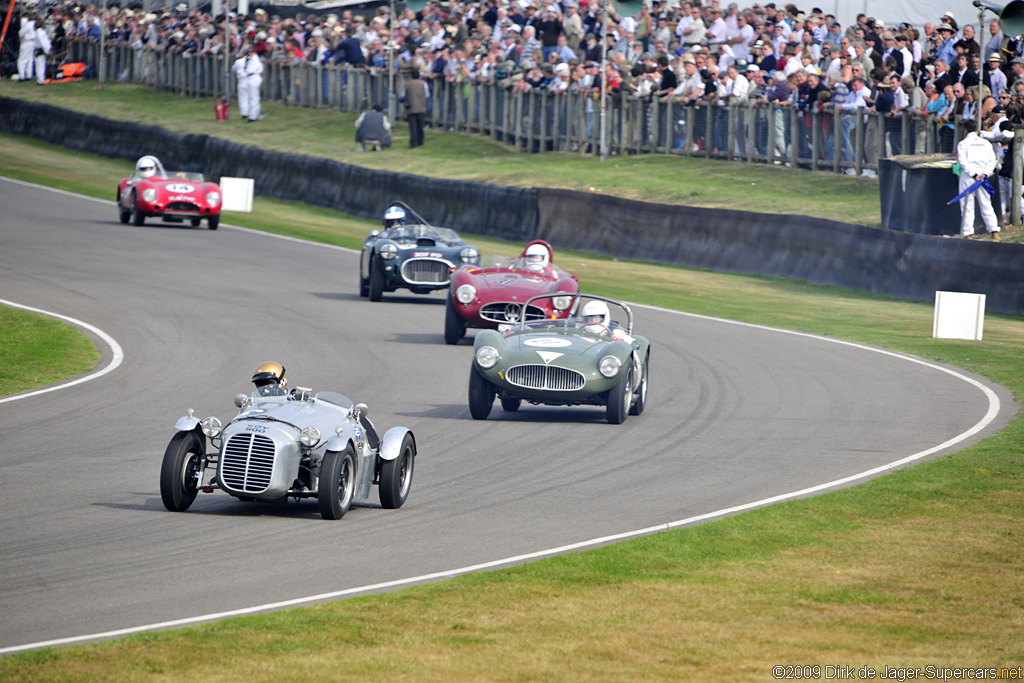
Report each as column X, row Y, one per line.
column 585, row 359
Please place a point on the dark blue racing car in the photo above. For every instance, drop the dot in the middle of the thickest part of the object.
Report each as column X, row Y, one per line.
column 410, row 254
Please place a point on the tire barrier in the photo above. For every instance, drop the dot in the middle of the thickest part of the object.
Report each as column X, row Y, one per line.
column 888, row 262
column 826, row 252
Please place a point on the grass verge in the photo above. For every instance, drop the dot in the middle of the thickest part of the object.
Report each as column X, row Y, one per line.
column 38, row 350
column 919, row 568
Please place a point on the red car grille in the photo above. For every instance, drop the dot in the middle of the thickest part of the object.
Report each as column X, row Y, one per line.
column 508, row 312
column 546, row 377
column 182, row 206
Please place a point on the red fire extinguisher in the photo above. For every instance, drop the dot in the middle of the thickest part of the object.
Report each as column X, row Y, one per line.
column 221, row 108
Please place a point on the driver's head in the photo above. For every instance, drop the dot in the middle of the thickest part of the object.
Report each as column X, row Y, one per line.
column 595, row 313
column 268, row 377
column 536, row 257
column 395, row 215
column 145, row 167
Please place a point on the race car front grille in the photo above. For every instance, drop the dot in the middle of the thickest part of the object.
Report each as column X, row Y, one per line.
column 248, row 463
column 182, row 206
column 508, row 312
column 545, row 377
column 426, row 271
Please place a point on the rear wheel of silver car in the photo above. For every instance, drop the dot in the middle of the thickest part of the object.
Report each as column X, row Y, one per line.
column 620, row 397
column 138, row 218
column 123, row 213
column 641, row 393
column 454, row 325
column 337, row 483
column 481, row 395
column 376, row 281
column 510, row 404
column 179, row 473
column 213, row 221
column 396, row 476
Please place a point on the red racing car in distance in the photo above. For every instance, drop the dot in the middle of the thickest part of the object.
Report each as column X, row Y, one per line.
column 152, row 192
column 492, row 293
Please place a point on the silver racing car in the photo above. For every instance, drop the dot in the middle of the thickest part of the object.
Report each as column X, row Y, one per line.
column 285, row 445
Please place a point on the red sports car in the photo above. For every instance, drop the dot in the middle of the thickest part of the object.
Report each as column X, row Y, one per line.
column 172, row 196
column 492, row 293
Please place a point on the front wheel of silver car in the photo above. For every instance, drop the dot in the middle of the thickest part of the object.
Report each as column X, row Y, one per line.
column 396, row 476
column 481, row 395
column 376, row 281
column 620, row 398
column 337, row 483
column 364, row 282
column 641, row 391
column 179, row 473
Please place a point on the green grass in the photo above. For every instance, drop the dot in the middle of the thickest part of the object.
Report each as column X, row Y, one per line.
column 920, row 567
column 38, row 350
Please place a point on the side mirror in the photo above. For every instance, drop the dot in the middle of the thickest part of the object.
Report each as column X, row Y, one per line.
column 240, row 400
column 361, row 409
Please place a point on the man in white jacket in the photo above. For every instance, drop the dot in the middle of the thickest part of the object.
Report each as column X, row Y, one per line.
column 26, row 50
column 977, row 162
column 243, row 86
column 42, row 47
column 253, row 80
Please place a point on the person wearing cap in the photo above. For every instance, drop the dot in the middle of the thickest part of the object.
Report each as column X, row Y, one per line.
column 572, row 26
column 549, row 28
column 977, row 162
column 995, row 79
column 945, row 49
column 717, row 32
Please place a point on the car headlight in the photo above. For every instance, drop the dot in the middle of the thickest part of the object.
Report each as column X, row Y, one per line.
column 149, row 194
column 561, row 302
column 212, row 198
column 609, row 366
column 211, row 427
column 469, row 254
column 388, row 252
column 487, row 356
column 310, row 436
column 465, row 294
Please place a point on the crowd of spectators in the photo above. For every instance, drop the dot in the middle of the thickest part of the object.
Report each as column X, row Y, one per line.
column 683, row 51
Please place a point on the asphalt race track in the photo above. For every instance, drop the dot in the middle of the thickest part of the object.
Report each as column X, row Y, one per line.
column 737, row 414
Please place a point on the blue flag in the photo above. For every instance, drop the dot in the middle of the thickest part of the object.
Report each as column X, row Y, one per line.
column 977, row 183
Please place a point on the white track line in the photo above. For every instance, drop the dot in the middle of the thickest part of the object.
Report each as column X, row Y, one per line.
column 994, row 407
column 115, row 348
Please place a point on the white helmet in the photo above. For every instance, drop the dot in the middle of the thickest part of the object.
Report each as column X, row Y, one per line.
column 146, row 166
column 536, row 257
column 395, row 215
column 595, row 316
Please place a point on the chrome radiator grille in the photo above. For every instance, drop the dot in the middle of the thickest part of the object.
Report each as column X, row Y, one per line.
column 546, row 377
column 248, row 463
column 508, row 312
column 426, row 271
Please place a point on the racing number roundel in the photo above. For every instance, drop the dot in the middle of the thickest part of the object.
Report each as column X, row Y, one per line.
column 547, row 342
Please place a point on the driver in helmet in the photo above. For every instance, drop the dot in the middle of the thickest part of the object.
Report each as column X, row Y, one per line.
column 538, row 260
column 597, row 320
column 146, row 167
column 395, row 215
column 269, row 380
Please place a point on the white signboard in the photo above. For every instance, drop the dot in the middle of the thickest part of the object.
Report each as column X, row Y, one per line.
column 959, row 315
column 237, row 194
